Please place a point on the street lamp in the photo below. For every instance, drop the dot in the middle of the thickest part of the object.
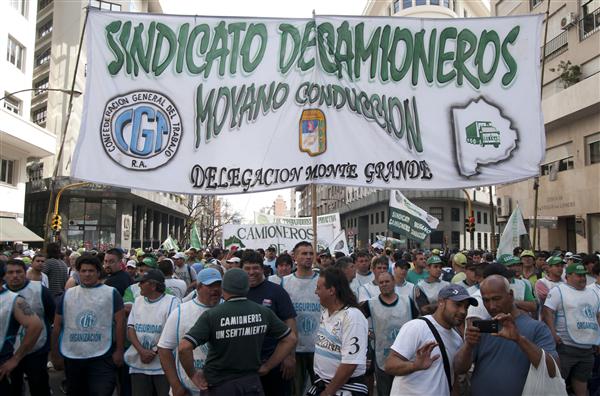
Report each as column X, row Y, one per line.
column 75, row 93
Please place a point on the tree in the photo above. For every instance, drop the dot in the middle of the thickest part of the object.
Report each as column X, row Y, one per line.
column 210, row 214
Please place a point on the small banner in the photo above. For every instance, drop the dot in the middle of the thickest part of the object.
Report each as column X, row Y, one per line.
column 408, row 219
column 332, row 219
column 511, row 235
column 339, row 244
column 170, row 244
column 195, row 238
column 217, row 105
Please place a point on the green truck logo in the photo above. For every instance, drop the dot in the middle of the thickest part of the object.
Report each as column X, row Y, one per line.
column 483, row 133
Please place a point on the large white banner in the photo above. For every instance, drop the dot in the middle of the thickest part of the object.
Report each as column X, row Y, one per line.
column 212, row 105
column 281, row 236
column 332, row 219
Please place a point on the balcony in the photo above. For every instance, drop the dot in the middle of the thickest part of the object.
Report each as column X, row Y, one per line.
column 556, row 46
column 589, row 24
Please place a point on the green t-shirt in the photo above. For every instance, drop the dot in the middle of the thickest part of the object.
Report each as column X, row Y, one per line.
column 235, row 331
column 414, row 278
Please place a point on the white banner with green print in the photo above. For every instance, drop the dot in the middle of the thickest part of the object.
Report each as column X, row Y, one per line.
column 217, row 105
column 408, row 219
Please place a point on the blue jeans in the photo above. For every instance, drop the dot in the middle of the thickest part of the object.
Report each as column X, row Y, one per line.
column 93, row 377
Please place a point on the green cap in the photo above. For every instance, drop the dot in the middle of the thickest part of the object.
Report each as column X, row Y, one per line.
column 26, row 260
column 460, row 259
column 555, row 260
column 576, row 269
column 508, row 260
column 150, row 262
column 436, row 252
column 434, row 260
column 527, row 253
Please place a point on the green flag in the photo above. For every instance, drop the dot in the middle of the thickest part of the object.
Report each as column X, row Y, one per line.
column 195, row 238
column 170, row 244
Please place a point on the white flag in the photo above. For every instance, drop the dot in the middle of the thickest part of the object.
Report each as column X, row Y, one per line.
column 340, row 244
column 513, row 230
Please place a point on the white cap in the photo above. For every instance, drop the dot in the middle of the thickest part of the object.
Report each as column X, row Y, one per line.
column 179, row 255
column 233, row 260
column 132, row 264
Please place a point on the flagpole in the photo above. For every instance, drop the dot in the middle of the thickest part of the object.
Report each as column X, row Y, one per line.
column 313, row 193
column 536, row 180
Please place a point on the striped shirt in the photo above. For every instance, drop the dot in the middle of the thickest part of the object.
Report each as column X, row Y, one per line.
column 58, row 274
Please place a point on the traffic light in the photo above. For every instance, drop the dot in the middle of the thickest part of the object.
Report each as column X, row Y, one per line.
column 470, row 224
column 56, row 224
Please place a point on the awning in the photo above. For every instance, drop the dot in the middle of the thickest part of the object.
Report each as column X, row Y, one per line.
column 11, row 230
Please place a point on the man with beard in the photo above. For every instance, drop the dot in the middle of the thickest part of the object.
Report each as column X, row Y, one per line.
column 421, row 356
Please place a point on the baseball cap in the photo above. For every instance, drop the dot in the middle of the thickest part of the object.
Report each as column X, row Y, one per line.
column 435, row 252
column 555, row 260
column 153, row 275
column 233, row 260
column 576, row 268
column 235, row 282
column 460, row 259
column 208, row 276
column 179, row 255
column 150, row 262
column 576, row 258
column 132, row 264
column 434, row 260
column 508, row 260
column 568, row 255
column 527, row 253
column 456, row 292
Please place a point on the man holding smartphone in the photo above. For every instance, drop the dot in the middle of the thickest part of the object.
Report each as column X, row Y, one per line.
column 517, row 344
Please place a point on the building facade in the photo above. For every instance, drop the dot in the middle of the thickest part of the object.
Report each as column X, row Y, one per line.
column 568, row 192
column 364, row 211
column 95, row 216
column 20, row 140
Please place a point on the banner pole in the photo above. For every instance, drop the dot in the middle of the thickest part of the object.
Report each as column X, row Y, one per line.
column 536, row 180
column 64, row 132
column 492, row 223
column 313, row 194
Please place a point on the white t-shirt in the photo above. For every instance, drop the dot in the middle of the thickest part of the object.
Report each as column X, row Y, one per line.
column 44, row 279
column 342, row 338
column 412, row 336
column 275, row 279
column 177, row 287
column 185, row 273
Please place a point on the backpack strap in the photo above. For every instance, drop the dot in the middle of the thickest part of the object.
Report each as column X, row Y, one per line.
column 442, row 347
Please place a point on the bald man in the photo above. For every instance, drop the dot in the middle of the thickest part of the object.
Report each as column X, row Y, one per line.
column 518, row 344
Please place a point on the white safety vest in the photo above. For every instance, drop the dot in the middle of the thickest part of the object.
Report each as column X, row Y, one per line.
column 580, row 308
column 432, row 289
column 7, row 304
column 87, row 322
column 150, row 317
column 518, row 287
column 368, row 291
column 308, row 309
column 275, row 279
column 187, row 315
column 406, row 289
column 32, row 293
column 387, row 321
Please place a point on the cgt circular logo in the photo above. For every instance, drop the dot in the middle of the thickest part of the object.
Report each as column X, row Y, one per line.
column 141, row 130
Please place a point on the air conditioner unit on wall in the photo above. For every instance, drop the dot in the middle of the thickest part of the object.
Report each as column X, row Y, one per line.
column 568, row 21
column 503, row 206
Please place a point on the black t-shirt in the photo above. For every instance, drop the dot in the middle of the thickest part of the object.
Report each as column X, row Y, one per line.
column 273, row 296
column 120, row 281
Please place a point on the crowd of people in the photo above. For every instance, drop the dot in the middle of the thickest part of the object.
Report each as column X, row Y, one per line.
column 252, row 322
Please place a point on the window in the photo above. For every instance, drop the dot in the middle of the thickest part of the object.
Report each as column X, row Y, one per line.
column 536, row 2
column 478, row 217
column 45, row 29
column 485, row 218
column 558, row 159
column 465, row 13
column 372, row 240
column 371, row 218
column 15, row 53
column 383, row 216
column 377, row 218
column 437, row 213
column 455, row 237
column 105, row 5
column 396, row 6
column 43, row 4
column 40, row 86
column 485, row 241
column 436, row 237
column 455, row 214
column 13, row 104
column 406, row 4
column 590, row 20
column 7, row 168
column 446, row 3
column 35, row 171
column 592, row 146
column 420, row 2
column 39, row 116
column 434, row 2
column 91, row 222
column 42, row 57
column 20, row 5
column 478, row 240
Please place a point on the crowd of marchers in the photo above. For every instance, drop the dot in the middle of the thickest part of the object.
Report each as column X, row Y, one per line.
column 254, row 322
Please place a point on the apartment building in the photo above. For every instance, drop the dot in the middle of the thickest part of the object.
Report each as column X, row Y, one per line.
column 364, row 211
column 92, row 215
column 20, row 140
column 568, row 192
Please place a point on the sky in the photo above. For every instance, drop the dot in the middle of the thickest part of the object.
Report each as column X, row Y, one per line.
column 247, row 204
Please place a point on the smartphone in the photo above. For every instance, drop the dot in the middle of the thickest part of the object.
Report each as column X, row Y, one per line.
column 487, row 326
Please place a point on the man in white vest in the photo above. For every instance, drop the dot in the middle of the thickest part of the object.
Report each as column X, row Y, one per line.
column 144, row 327
column 552, row 278
column 363, row 271
column 572, row 312
column 371, row 289
column 431, row 286
column 180, row 321
column 524, row 298
column 89, row 333
column 301, row 286
column 15, row 313
column 283, row 265
column 41, row 302
column 388, row 312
